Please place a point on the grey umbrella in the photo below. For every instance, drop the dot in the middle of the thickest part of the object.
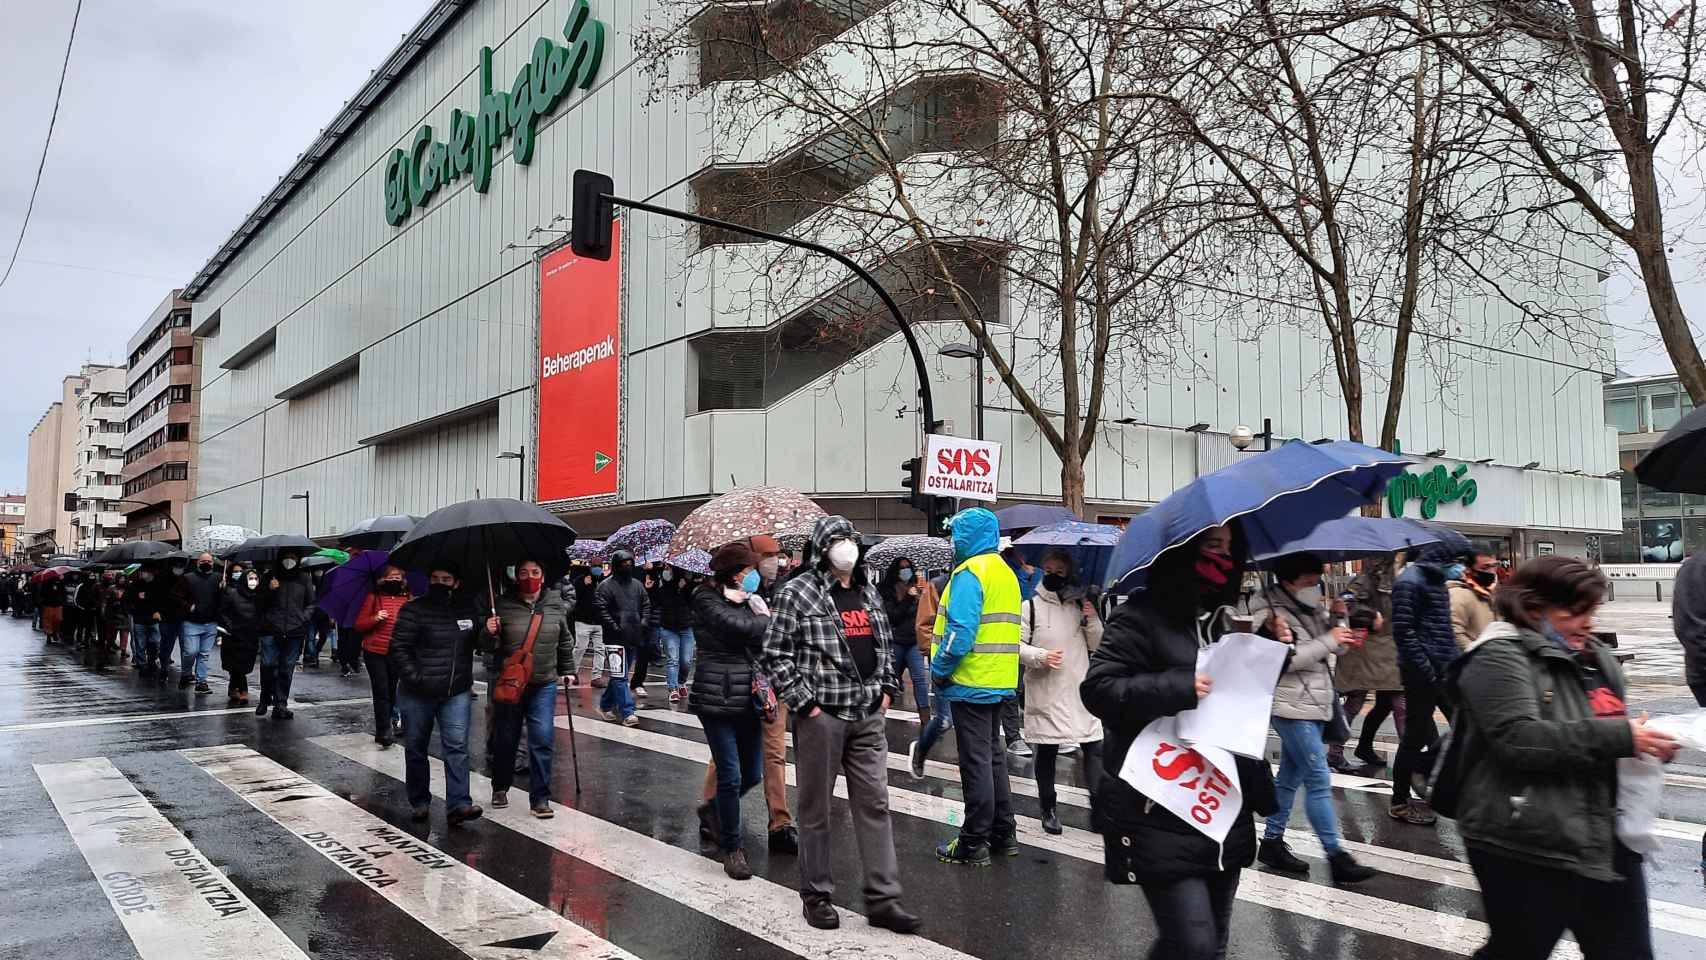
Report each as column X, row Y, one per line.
column 378, row 533
column 267, row 549
column 133, row 551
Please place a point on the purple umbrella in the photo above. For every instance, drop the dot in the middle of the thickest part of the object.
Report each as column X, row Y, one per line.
column 588, row 551
column 346, row 587
column 693, row 560
column 644, row 538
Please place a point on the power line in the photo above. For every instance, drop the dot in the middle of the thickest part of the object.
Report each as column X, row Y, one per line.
column 46, row 142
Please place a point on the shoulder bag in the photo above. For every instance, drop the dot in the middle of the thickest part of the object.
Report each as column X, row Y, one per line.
column 518, row 668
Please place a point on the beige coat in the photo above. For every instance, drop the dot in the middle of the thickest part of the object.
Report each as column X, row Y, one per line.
column 1471, row 612
column 1053, row 712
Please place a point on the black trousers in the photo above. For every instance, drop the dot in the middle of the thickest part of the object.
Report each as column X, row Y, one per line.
column 1529, row 907
column 1042, row 767
column 384, row 684
column 350, row 654
column 1416, row 748
column 644, row 654
column 1013, row 714
column 1193, row 916
column 983, row 773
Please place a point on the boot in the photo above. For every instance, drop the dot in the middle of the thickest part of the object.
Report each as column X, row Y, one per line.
column 1051, row 821
column 1347, row 870
column 710, row 831
column 1276, row 854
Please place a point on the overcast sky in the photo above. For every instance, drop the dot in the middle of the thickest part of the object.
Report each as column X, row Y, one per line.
column 178, row 115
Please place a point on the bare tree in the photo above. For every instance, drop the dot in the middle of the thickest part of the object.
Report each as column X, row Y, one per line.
column 975, row 150
column 1590, row 91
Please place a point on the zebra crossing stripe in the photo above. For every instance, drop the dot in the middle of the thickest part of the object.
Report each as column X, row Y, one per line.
column 471, row 911
column 1345, row 908
column 680, row 875
column 174, row 904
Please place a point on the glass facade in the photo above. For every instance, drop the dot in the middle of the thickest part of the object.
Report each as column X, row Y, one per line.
column 1658, row 527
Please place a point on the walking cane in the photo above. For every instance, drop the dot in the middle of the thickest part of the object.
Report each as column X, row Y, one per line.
column 574, row 751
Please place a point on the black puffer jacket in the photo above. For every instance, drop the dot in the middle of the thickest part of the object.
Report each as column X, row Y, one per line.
column 288, row 607
column 673, row 601
column 1421, row 618
column 1145, row 669
column 730, row 637
column 433, row 645
column 240, row 612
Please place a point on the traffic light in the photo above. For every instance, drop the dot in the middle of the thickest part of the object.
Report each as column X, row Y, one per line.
column 589, row 228
column 911, row 472
column 71, row 503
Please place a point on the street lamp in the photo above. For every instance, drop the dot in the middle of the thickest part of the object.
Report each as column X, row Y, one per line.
column 521, row 480
column 307, row 498
column 973, row 352
column 1243, row 437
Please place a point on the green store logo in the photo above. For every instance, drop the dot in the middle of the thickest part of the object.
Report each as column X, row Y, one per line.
column 412, row 176
column 1433, row 488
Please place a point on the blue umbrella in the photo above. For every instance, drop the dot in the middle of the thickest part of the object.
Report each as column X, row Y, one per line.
column 1090, row 544
column 1356, row 536
column 1278, row 497
column 1027, row 516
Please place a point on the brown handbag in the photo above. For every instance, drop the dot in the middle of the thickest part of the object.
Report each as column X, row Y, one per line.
column 518, row 669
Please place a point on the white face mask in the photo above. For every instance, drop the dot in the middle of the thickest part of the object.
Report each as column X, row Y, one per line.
column 1309, row 596
column 843, row 555
column 769, row 567
column 668, row 575
column 288, row 563
column 253, row 582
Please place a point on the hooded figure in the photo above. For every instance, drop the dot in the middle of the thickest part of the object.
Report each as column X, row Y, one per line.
column 1421, row 628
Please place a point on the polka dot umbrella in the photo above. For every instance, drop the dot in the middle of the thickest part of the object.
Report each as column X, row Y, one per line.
column 747, row 512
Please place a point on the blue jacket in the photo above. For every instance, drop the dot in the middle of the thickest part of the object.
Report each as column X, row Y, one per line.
column 1028, row 583
column 975, row 531
column 1421, row 621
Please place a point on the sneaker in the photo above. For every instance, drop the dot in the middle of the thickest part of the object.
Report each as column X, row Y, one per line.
column 785, row 840
column 684, row 691
column 821, row 914
column 600, row 682
column 1347, row 870
column 631, row 720
column 735, row 865
column 500, row 799
column 890, row 916
column 1019, row 748
column 343, row 672
column 1339, row 764
column 1371, row 759
column 1415, row 812
column 640, row 693
column 1419, row 786
column 958, row 851
column 542, row 811
column 282, row 713
column 419, row 814
column 915, row 759
column 462, row 815
column 202, row 687
column 384, row 742
column 611, row 715
column 1051, row 822
column 1276, row 854
column 675, row 696
column 1007, row 846
column 261, row 710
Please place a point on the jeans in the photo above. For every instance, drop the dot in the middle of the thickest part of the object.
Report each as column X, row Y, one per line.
column 1387, row 703
column 1303, row 762
column 983, row 773
column 1193, row 916
column 826, row 746
column 909, row 659
column 315, row 641
column 589, row 635
column 940, row 720
column 384, row 685
column 737, row 754
column 678, row 649
column 537, row 709
column 1416, row 748
column 278, row 666
column 198, row 643
column 1529, row 907
column 145, row 644
column 451, row 715
column 617, row 698
column 170, row 631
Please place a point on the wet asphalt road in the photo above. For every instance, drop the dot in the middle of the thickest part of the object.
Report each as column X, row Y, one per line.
column 618, row 872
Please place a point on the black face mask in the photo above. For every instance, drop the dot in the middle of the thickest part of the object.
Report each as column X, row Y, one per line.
column 391, row 587
column 204, row 567
column 1485, row 578
column 439, row 592
column 1055, row 582
column 623, row 572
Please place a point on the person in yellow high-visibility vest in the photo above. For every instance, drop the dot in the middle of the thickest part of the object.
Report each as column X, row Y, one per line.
column 974, row 662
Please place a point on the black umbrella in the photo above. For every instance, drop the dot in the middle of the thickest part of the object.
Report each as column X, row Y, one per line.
column 378, row 533
column 134, row 551
column 482, row 535
column 267, row 549
column 1677, row 464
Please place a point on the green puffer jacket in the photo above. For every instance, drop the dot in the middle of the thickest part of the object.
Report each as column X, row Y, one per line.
column 1538, row 774
column 553, row 649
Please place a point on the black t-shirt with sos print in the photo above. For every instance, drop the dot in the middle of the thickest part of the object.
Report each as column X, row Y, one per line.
column 856, row 626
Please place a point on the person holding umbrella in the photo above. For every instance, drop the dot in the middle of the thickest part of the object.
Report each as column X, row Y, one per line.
column 1059, row 629
column 198, row 594
column 287, row 606
column 50, row 597
column 240, row 615
column 142, row 600
column 533, row 623
column 432, row 649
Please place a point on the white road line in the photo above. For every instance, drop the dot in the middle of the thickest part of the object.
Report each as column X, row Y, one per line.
column 174, row 903
column 471, row 911
column 1441, row 931
column 167, row 715
column 1676, row 917
column 766, row 909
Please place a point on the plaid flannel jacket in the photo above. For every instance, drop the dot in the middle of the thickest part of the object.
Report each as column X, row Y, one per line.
column 806, row 655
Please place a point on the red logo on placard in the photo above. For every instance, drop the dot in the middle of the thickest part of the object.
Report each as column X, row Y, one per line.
column 1187, row 770
column 964, row 463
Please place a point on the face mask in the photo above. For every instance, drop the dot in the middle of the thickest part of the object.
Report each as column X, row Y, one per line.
column 530, row 584
column 623, row 572
column 1454, row 572
column 253, row 582
column 1214, row 569
column 750, row 582
column 905, row 574
column 1485, row 578
column 439, row 592
column 178, row 569
column 1055, row 582
column 668, row 575
column 1309, row 596
column 769, row 567
column 843, row 555
column 391, row 587
column 288, row 563
column 146, row 577
column 204, row 567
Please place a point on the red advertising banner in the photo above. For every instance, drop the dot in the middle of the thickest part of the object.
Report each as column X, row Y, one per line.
column 580, row 366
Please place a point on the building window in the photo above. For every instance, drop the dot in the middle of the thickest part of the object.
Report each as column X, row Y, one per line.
column 176, row 471
column 1624, row 413
column 177, row 432
column 1664, row 411
column 181, row 356
column 179, row 393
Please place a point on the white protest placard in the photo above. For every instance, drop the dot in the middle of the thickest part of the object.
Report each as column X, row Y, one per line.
column 1198, row 785
column 958, row 467
column 1234, row 715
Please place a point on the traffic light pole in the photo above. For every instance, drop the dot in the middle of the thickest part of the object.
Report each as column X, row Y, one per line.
column 924, row 398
